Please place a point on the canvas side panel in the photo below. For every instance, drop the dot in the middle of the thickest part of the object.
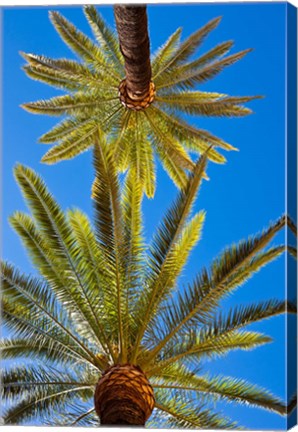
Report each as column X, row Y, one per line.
column 291, row 144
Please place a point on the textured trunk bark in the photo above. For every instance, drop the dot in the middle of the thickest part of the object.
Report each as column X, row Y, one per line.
column 132, row 27
column 123, row 396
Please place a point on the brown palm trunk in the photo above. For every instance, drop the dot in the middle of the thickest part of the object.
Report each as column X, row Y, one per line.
column 123, row 396
column 132, row 27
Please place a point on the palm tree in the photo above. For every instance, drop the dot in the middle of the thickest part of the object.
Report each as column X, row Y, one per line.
column 140, row 122
column 103, row 329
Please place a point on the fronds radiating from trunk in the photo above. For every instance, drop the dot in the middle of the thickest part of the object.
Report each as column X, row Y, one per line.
column 104, row 298
column 158, row 131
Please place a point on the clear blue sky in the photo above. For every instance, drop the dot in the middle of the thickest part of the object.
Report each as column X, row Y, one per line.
column 240, row 198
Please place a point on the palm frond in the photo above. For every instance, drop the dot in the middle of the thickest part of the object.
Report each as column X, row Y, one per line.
column 149, row 172
column 62, row 73
column 79, row 103
column 210, row 345
column 63, row 129
column 187, row 48
column 193, row 138
column 182, row 412
column 42, row 403
column 81, row 44
column 109, row 228
column 206, row 104
column 185, row 79
column 21, row 322
column 16, row 348
column 54, row 78
column 133, row 230
column 214, row 53
column 163, row 245
column 105, row 37
column 134, row 245
column 53, row 269
column 260, row 260
column 56, row 231
column 82, row 420
column 176, row 172
column 172, row 147
column 20, row 381
column 165, row 52
column 189, row 68
column 91, row 266
column 38, row 303
column 77, row 141
column 228, row 389
column 233, row 268
column 140, row 157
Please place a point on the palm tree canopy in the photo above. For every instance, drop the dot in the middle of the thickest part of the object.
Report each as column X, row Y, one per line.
column 105, row 298
column 96, row 97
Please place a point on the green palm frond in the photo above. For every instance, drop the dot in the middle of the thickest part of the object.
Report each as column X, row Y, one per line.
column 134, row 250
column 15, row 348
column 53, row 268
column 90, row 265
column 188, row 47
column 75, row 143
column 206, row 104
column 56, row 231
column 21, row 380
column 62, row 130
column 210, row 345
column 194, row 139
column 80, row 103
column 227, row 389
column 232, row 269
column 83, row 418
column 171, row 147
column 188, row 77
column 133, row 230
column 81, row 44
column 39, row 402
column 182, row 412
column 106, row 38
column 165, row 263
column 61, row 73
column 109, row 229
column 220, row 334
column 20, row 322
column 92, row 103
column 214, row 53
column 90, row 260
column 165, row 52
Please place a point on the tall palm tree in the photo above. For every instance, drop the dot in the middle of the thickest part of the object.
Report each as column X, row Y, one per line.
column 100, row 94
column 104, row 330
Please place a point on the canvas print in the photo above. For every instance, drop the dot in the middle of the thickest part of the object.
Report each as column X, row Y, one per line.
column 148, row 273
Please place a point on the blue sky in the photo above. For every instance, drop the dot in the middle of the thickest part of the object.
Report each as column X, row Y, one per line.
column 241, row 196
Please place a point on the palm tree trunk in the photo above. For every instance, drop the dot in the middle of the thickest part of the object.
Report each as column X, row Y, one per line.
column 123, row 396
column 132, row 27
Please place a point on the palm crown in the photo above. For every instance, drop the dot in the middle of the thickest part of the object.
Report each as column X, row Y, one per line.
column 96, row 98
column 104, row 301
